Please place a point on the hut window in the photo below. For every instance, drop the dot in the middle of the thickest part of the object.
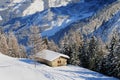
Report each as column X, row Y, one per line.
column 59, row 61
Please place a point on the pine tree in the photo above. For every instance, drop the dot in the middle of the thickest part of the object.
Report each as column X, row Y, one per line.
column 52, row 46
column 71, row 45
column 76, row 45
column 22, row 51
column 35, row 40
column 84, row 57
column 114, row 58
column 92, row 52
column 13, row 45
column 111, row 63
column 101, row 51
column 3, row 44
column 64, row 44
column 117, row 60
column 65, row 48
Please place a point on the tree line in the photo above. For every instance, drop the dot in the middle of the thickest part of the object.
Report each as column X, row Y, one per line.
column 92, row 53
column 9, row 45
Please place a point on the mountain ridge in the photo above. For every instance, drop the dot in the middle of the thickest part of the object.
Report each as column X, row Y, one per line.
column 55, row 20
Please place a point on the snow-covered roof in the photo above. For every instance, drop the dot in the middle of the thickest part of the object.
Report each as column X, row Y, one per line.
column 50, row 55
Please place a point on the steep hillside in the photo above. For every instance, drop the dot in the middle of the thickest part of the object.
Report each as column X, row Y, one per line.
column 24, row 69
column 102, row 24
column 53, row 20
column 58, row 17
column 16, row 8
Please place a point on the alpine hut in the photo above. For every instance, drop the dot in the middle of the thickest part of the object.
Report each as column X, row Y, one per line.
column 51, row 58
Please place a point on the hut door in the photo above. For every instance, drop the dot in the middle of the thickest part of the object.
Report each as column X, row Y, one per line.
column 59, row 62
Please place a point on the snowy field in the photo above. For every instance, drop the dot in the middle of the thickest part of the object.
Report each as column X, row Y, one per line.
column 24, row 69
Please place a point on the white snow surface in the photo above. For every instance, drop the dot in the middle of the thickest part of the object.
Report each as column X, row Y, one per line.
column 37, row 5
column 40, row 5
column 50, row 55
column 0, row 18
column 24, row 69
column 17, row 1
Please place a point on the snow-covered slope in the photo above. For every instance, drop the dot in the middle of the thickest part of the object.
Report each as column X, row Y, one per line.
column 104, row 23
column 36, row 5
column 24, row 69
column 28, row 7
column 110, row 28
column 54, row 19
column 40, row 5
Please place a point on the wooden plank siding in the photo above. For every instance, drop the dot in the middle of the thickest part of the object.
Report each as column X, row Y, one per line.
column 61, row 61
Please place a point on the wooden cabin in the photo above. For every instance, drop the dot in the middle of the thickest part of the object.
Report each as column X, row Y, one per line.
column 51, row 58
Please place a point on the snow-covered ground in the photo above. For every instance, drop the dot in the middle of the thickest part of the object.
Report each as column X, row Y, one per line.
column 24, row 69
column 0, row 18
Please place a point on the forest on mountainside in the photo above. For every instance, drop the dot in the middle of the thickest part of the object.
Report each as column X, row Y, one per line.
column 91, row 53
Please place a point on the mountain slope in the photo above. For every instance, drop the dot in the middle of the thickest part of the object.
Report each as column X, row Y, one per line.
column 86, row 16
column 110, row 28
column 51, row 21
column 24, row 69
column 102, row 24
column 17, row 8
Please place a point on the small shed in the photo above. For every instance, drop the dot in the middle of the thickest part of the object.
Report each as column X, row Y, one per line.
column 51, row 58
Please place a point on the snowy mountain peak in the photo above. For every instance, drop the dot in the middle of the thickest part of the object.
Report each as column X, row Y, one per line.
column 17, row 8
column 36, row 5
column 52, row 19
column 40, row 5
